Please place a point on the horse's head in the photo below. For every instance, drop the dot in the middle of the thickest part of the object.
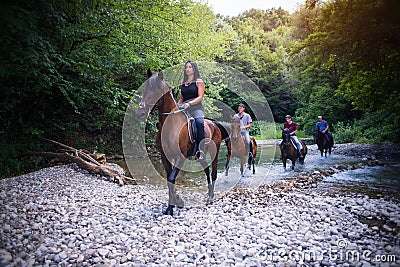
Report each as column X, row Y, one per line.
column 315, row 134
column 154, row 88
column 319, row 135
column 235, row 124
column 286, row 136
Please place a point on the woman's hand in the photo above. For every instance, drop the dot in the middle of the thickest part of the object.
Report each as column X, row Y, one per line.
column 186, row 105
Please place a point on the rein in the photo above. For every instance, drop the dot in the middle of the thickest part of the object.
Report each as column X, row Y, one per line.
column 172, row 112
column 191, row 138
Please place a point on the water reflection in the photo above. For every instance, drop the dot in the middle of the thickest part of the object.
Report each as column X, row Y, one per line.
column 151, row 171
column 375, row 181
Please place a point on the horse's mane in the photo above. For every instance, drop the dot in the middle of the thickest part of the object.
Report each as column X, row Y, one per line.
column 236, row 117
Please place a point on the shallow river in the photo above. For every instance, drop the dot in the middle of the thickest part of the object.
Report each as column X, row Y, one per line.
column 375, row 181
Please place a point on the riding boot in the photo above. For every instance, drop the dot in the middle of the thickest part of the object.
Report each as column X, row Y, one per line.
column 299, row 152
column 200, row 137
column 201, row 154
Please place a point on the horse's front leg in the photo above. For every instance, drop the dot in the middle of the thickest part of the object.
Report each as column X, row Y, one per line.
column 173, row 197
column 242, row 161
column 211, row 185
column 249, row 161
column 228, row 159
column 209, row 182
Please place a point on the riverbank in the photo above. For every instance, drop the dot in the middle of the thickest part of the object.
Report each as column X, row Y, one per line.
column 65, row 216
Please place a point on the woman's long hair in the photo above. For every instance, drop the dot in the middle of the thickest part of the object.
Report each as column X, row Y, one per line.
column 195, row 70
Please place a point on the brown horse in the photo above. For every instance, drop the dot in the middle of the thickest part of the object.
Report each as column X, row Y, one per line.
column 173, row 140
column 289, row 150
column 237, row 147
column 323, row 142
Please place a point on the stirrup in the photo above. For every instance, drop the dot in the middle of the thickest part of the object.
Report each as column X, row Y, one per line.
column 200, row 155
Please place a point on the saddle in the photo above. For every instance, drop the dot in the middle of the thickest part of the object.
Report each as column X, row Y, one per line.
column 192, row 130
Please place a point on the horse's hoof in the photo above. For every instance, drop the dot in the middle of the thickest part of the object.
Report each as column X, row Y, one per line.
column 169, row 210
column 209, row 202
column 179, row 202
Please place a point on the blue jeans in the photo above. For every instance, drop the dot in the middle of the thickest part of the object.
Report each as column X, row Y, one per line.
column 200, row 132
column 246, row 135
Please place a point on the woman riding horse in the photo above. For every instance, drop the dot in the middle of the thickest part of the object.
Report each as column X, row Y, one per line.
column 173, row 140
column 192, row 93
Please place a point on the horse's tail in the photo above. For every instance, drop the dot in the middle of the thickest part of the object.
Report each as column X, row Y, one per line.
column 224, row 131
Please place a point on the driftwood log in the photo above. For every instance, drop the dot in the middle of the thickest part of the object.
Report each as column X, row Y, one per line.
column 89, row 162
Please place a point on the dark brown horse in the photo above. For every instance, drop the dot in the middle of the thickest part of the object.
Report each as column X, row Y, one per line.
column 322, row 141
column 173, row 140
column 237, row 147
column 289, row 150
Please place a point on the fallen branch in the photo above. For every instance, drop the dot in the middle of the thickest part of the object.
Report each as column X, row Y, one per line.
column 77, row 152
column 85, row 161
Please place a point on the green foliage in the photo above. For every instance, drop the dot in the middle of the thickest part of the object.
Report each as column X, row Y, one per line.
column 68, row 69
column 9, row 165
column 261, row 130
column 344, row 133
column 261, row 52
column 370, row 128
column 322, row 101
column 348, row 62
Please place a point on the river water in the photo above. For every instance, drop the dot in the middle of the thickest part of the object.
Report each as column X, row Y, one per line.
column 378, row 181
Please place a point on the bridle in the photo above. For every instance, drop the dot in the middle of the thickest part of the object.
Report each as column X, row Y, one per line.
column 235, row 120
column 286, row 137
column 163, row 90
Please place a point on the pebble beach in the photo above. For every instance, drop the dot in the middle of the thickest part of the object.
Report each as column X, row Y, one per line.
column 64, row 216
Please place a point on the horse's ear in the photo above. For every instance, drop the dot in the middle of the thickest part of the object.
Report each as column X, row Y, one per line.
column 149, row 73
column 161, row 75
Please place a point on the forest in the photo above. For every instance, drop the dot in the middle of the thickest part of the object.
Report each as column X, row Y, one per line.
column 69, row 68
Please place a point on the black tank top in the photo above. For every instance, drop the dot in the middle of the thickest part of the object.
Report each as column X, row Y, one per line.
column 189, row 92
